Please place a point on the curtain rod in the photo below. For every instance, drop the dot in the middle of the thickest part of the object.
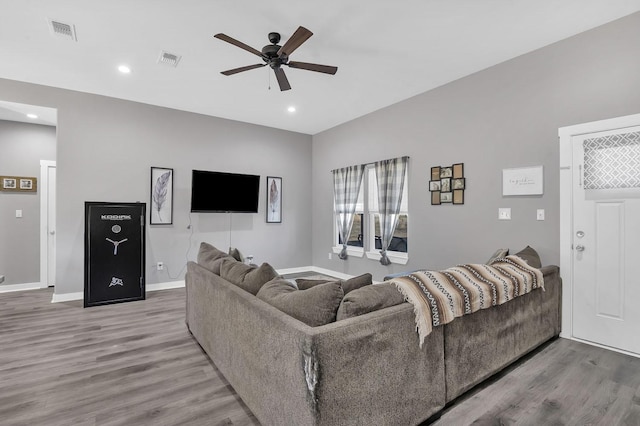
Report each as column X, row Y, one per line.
column 374, row 162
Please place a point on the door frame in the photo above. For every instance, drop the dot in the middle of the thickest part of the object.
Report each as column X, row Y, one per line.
column 565, row 135
column 44, row 221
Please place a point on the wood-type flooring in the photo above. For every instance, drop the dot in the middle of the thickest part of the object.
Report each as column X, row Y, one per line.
column 136, row 364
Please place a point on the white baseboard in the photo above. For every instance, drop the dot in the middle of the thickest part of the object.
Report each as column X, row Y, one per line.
column 68, row 297
column 6, row 288
column 586, row 342
column 165, row 286
column 315, row 269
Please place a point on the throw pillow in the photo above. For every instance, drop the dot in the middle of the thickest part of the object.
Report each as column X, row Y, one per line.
column 305, row 284
column 356, row 282
column 347, row 285
column 368, row 299
column 235, row 253
column 249, row 278
column 315, row 307
column 210, row 257
column 530, row 256
column 498, row 254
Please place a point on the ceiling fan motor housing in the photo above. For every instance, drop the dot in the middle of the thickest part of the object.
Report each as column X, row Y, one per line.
column 274, row 38
column 270, row 55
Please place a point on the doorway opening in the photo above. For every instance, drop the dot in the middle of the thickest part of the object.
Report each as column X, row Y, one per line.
column 29, row 139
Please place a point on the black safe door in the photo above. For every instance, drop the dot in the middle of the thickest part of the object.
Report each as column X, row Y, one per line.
column 114, row 253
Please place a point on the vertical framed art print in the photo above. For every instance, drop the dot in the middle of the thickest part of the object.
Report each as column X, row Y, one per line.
column 161, row 196
column 274, row 199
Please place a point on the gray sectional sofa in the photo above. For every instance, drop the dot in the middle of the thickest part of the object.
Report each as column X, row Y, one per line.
column 362, row 370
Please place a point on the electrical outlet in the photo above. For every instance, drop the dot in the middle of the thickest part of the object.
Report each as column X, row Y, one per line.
column 330, row 256
column 504, row 213
column 18, row 213
column 160, row 266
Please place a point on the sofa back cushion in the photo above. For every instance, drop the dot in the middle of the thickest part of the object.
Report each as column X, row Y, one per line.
column 315, row 307
column 368, row 299
column 503, row 252
column 249, row 278
column 210, row 257
column 347, row 285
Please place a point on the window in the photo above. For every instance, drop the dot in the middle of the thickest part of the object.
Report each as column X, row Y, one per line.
column 399, row 242
column 365, row 232
column 356, row 235
column 612, row 162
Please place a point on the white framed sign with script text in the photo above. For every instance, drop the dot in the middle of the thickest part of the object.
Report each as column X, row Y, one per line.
column 522, row 181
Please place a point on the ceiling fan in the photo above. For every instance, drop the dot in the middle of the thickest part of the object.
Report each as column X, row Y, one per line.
column 276, row 56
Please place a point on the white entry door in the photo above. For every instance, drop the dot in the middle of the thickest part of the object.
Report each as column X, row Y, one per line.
column 606, row 238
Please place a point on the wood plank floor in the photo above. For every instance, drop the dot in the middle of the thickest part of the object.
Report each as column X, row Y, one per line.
column 127, row 364
column 136, row 364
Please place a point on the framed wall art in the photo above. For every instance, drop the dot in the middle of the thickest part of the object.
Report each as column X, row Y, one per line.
column 161, row 196
column 9, row 183
column 274, row 199
column 18, row 183
column 522, row 181
column 447, row 184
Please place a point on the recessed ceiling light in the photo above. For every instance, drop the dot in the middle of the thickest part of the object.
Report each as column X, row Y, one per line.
column 124, row 69
column 291, row 109
column 32, row 116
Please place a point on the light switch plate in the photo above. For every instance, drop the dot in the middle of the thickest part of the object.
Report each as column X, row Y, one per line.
column 504, row 213
column 540, row 214
column 18, row 213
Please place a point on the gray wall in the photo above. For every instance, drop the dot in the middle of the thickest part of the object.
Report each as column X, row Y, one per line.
column 22, row 146
column 505, row 116
column 107, row 146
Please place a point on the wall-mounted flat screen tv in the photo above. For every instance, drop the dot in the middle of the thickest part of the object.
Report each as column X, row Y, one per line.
column 224, row 192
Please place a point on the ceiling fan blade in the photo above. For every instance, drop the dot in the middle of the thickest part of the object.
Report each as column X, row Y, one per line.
column 247, row 68
column 282, row 79
column 237, row 43
column 300, row 36
column 314, row 67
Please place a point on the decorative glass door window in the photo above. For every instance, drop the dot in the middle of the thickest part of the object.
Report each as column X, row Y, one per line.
column 612, row 162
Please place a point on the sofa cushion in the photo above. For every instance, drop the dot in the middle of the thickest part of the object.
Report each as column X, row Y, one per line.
column 210, row 257
column 368, row 299
column 305, row 284
column 315, row 307
column 249, row 278
column 530, row 256
column 347, row 285
column 498, row 254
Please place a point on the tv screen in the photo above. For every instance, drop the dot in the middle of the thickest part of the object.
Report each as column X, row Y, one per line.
column 224, row 192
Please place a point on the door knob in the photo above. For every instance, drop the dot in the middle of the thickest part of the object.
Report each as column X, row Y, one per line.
column 579, row 247
column 52, row 232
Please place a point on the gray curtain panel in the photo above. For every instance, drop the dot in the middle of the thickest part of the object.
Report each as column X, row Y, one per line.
column 346, row 186
column 390, row 175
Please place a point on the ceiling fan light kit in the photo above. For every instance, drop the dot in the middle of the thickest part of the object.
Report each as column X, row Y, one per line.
column 276, row 56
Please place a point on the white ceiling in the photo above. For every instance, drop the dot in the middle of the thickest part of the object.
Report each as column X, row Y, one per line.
column 12, row 111
column 385, row 51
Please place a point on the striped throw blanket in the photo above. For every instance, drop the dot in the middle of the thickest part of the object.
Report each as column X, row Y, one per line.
column 440, row 296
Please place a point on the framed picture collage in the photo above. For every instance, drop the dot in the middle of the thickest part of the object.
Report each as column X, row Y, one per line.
column 447, row 184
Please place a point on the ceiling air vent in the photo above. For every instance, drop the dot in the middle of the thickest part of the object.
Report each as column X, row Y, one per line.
column 169, row 59
column 63, row 30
